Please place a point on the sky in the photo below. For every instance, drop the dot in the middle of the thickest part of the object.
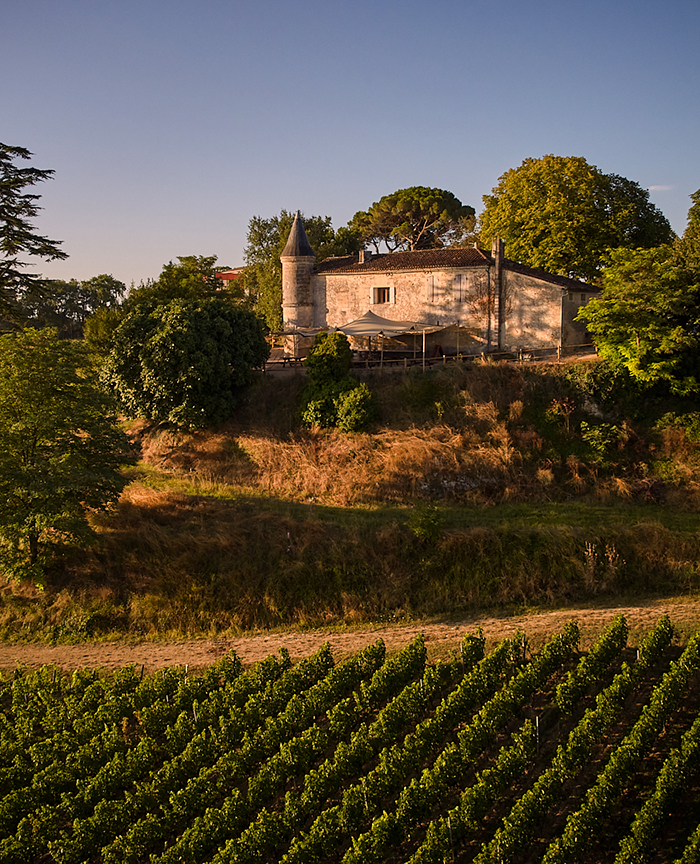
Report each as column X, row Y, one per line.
column 171, row 123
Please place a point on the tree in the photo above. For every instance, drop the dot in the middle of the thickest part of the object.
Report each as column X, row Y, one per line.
column 414, row 218
column 193, row 278
column 186, row 361
column 332, row 397
column 647, row 318
column 687, row 249
column 100, row 327
column 67, row 305
column 60, row 448
column 560, row 214
column 17, row 234
column 262, row 278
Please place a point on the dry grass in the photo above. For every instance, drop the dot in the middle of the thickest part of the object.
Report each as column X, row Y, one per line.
column 475, row 434
column 260, row 524
column 175, row 565
column 329, row 467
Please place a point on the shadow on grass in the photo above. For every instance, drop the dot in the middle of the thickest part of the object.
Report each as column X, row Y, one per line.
column 174, row 564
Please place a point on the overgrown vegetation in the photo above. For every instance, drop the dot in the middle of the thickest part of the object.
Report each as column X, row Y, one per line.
column 479, row 488
column 60, row 449
column 332, row 398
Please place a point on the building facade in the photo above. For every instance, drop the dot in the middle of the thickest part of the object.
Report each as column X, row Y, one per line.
column 497, row 304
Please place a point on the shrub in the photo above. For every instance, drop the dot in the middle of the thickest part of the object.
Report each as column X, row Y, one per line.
column 355, row 409
column 332, row 397
column 329, row 360
column 425, row 523
column 186, row 361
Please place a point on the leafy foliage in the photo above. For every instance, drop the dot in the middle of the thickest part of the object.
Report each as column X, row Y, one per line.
column 332, row 397
column 17, row 234
column 185, row 361
column 193, row 278
column 562, row 215
column 355, row 409
column 59, row 448
column 647, row 318
column 426, row 522
column 67, row 305
column 415, row 218
column 372, row 759
column 329, row 360
column 262, row 278
column 687, row 247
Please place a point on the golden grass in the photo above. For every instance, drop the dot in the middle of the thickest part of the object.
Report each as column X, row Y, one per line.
column 260, row 524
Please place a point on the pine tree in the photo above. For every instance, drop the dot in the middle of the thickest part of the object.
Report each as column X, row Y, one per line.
column 18, row 236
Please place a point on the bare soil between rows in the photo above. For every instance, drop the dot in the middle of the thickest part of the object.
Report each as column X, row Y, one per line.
column 442, row 638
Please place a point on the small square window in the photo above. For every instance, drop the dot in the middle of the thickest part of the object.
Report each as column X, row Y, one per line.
column 382, row 295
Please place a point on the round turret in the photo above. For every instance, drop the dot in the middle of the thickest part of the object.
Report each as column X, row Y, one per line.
column 298, row 262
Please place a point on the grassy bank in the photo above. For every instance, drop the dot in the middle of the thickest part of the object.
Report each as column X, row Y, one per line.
column 177, row 565
column 481, row 488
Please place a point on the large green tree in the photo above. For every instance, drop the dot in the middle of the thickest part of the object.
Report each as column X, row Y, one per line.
column 687, row 248
column 262, row 279
column 60, row 448
column 18, row 236
column 563, row 215
column 415, row 218
column 647, row 318
column 192, row 278
column 187, row 361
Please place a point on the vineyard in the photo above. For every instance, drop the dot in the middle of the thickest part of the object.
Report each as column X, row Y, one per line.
column 510, row 755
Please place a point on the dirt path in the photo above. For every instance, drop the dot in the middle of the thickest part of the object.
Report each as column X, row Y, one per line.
column 441, row 639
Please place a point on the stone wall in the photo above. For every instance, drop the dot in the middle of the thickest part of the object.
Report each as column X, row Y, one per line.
column 537, row 314
column 298, row 308
column 533, row 312
column 575, row 332
column 437, row 297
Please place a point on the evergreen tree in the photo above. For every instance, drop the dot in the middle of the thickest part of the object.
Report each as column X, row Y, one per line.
column 17, row 234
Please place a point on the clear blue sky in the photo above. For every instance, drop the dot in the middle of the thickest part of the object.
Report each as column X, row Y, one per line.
column 170, row 123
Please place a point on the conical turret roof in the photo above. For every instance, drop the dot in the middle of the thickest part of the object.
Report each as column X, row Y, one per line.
column 298, row 245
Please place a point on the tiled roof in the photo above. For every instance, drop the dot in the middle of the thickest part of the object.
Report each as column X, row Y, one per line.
column 432, row 259
column 228, row 275
column 423, row 259
column 563, row 281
